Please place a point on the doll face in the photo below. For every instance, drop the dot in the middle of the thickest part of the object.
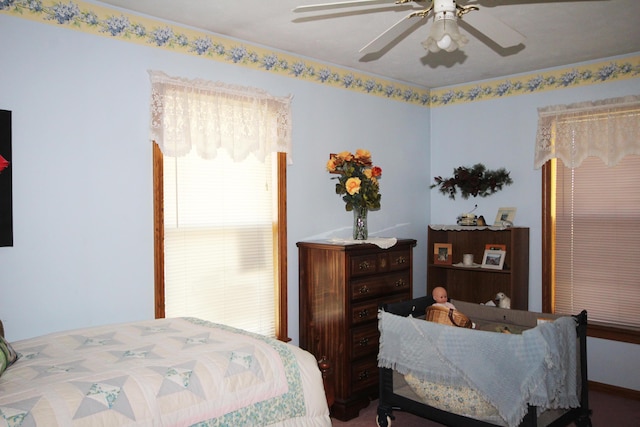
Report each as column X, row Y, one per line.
column 440, row 295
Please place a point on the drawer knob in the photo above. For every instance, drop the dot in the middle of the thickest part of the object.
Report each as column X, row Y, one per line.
column 364, row 265
column 363, row 313
column 364, row 342
column 401, row 260
column 400, row 283
column 364, row 290
column 364, row 375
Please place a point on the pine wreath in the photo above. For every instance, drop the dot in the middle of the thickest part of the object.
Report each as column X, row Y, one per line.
column 475, row 181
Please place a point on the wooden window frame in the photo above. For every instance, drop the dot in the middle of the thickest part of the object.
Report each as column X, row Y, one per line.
column 593, row 329
column 281, row 250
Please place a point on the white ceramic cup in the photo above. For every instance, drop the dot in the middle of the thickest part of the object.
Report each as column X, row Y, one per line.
column 467, row 259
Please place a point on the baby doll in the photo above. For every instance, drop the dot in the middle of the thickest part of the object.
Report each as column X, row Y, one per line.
column 439, row 295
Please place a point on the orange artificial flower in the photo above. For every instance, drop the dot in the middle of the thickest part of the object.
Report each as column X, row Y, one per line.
column 353, row 185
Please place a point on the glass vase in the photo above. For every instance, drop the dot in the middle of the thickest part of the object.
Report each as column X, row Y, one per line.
column 360, row 230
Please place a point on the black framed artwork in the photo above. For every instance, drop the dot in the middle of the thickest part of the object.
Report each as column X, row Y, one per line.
column 6, row 208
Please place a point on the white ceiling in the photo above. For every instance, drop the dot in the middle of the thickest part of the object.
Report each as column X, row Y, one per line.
column 557, row 33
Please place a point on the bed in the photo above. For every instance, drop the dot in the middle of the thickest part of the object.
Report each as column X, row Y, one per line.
column 163, row 372
column 515, row 368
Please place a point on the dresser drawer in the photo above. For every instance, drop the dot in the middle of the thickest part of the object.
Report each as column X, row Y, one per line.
column 400, row 260
column 371, row 287
column 369, row 264
column 368, row 311
column 364, row 373
column 364, row 340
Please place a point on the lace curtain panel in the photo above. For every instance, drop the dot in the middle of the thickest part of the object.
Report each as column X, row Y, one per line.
column 205, row 115
column 608, row 129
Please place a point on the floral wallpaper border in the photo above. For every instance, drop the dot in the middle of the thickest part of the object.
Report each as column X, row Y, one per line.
column 594, row 73
column 98, row 20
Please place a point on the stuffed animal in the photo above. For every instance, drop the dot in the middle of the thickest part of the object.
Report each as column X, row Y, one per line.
column 502, row 300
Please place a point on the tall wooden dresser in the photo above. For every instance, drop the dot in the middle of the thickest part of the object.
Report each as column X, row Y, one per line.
column 341, row 287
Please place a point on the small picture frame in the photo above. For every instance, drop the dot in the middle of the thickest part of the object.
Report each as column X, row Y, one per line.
column 442, row 253
column 496, row 246
column 493, row 259
column 504, row 214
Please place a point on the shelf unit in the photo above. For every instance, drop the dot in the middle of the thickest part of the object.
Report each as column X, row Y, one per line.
column 475, row 284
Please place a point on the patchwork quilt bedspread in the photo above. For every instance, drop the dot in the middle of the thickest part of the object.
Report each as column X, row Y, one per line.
column 164, row 372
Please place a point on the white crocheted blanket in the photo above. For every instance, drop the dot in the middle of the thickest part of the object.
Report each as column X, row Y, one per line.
column 509, row 371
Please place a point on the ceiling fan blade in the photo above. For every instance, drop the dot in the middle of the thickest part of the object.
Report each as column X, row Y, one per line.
column 339, row 4
column 493, row 3
column 496, row 30
column 390, row 34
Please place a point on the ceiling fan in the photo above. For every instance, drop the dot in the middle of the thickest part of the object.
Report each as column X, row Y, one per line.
column 444, row 34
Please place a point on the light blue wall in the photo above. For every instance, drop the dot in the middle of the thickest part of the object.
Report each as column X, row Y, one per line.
column 501, row 133
column 82, row 172
column 82, row 175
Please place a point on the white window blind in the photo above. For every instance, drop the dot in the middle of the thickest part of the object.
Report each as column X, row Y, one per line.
column 219, row 241
column 597, row 240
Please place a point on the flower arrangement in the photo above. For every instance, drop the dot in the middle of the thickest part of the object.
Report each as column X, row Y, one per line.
column 358, row 180
column 474, row 181
column 4, row 163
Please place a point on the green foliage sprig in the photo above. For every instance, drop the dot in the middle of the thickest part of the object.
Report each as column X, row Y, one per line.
column 474, row 181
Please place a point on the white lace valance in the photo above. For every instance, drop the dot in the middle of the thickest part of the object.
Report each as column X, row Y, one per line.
column 207, row 115
column 607, row 129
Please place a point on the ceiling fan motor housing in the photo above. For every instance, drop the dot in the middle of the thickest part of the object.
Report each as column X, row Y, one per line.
column 444, row 8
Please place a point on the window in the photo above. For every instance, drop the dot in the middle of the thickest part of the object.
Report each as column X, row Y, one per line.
column 591, row 217
column 219, row 213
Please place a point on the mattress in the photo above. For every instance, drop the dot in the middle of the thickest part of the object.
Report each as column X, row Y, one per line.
column 163, row 372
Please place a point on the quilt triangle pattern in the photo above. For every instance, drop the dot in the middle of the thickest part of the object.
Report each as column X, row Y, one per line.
column 180, row 378
column 19, row 413
column 243, row 360
column 47, row 370
column 195, row 340
column 103, row 396
column 33, row 352
column 96, row 341
column 157, row 329
column 139, row 353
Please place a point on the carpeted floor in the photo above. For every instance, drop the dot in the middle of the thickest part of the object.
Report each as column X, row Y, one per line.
column 608, row 411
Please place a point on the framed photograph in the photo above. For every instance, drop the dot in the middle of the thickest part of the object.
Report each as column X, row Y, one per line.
column 495, row 246
column 6, row 197
column 493, row 259
column 505, row 214
column 442, row 253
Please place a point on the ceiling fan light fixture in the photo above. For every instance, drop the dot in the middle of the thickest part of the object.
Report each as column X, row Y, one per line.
column 445, row 34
